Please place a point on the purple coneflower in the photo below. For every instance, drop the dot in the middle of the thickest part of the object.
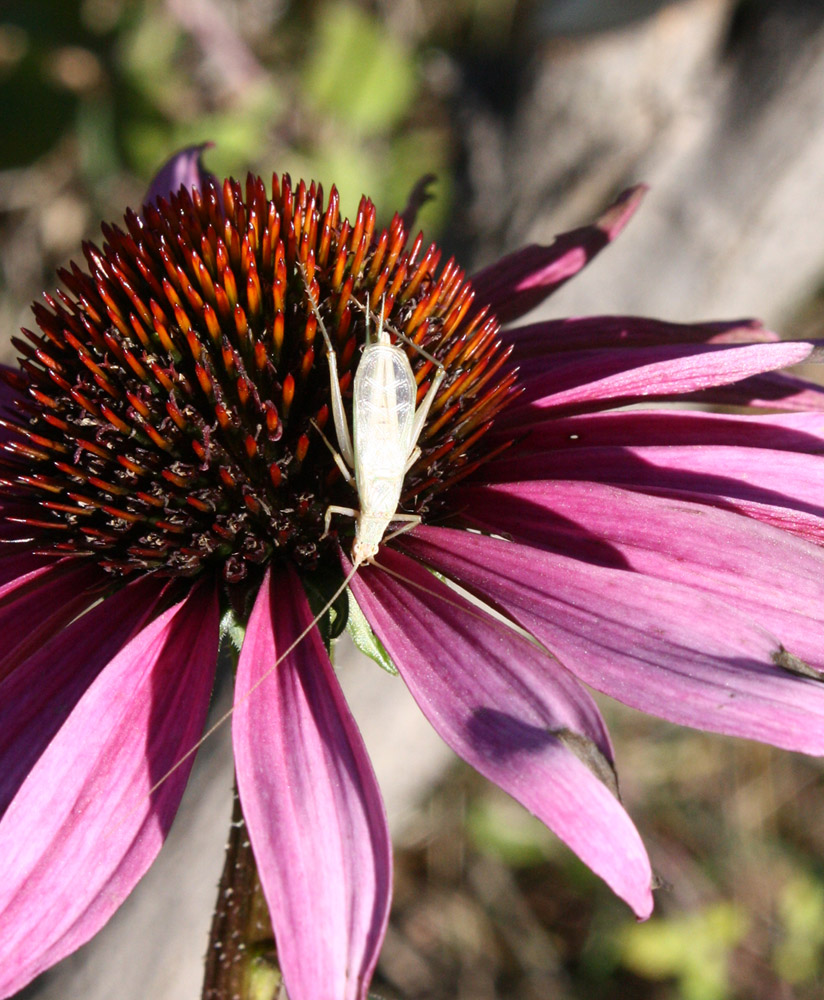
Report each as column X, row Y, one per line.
column 164, row 466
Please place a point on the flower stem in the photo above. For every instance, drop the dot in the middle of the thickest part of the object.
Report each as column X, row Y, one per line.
column 241, row 963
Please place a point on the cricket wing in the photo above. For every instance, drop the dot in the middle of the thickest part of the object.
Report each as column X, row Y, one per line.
column 383, row 415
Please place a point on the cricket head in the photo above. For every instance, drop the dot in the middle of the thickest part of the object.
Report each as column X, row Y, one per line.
column 166, row 405
column 364, row 550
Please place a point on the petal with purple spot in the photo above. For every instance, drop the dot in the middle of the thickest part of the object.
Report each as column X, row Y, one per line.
column 667, row 649
column 512, row 712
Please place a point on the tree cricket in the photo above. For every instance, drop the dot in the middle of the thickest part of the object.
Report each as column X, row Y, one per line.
column 383, row 444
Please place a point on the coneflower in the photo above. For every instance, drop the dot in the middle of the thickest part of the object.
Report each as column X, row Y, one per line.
column 165, row 465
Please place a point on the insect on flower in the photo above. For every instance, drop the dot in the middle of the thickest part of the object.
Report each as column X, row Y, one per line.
column 386, row 426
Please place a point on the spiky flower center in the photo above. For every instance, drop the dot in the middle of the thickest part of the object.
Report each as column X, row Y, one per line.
column 168, row 410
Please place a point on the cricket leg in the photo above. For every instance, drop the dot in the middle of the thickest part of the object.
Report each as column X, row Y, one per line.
column 422, row 411
column 414, row 455
column 334, row 509
column 412, row 521
column 338, row 412
column 347, row 475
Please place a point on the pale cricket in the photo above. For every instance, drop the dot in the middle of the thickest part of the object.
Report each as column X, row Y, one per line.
column 383, row 445
column 373, row 458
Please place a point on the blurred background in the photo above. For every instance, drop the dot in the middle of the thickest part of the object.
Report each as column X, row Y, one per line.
column 533, row 114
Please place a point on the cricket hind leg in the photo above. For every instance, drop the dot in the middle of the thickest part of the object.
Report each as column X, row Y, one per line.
column 414, row 455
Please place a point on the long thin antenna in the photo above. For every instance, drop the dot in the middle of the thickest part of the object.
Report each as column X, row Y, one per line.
column 498, row 620
column 397, row 332
column 248, row 694
column 505, row 624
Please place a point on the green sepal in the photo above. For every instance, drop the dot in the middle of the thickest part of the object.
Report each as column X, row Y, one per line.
column 232, row 631
column 319, row 587
column 366, row 640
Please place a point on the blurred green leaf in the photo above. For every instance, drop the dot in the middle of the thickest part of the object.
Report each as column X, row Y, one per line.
column 798, row 956
column 97, row 140
column 357, row 71
column 147, row 56
column 691, row 948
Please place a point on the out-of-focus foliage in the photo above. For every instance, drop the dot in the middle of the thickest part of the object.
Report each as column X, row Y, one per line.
column 692, row 949
column 799, row 953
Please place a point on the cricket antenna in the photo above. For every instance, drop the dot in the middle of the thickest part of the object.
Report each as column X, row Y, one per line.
column 248, row 694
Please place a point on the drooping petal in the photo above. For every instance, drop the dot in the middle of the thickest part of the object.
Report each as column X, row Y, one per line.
column 517, row 283
column 512, row 712
column 39, row 695
column 184, row 169
column 665, row 648
column 589, row 333
column 84, row 827
column 581, row 380
column 311, row 803
column 709, row 550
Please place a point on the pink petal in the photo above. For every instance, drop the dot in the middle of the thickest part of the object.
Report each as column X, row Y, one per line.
column 184, row 169
column 770, row 390
column 781, row 487
column 83, row 828
column 17, row 561
column 792, row 431
column 517, row 283
column 46, row 599
column 37, row 698
column 715, row 459
column 665, row 648
column 513, row 713
column 311, row 804
column 600, row 332
column 584, row 379
column 773, row 578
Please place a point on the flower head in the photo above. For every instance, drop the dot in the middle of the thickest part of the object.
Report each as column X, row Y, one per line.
column 168, row 454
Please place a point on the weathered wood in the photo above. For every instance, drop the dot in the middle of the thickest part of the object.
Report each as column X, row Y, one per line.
column 719, row 107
